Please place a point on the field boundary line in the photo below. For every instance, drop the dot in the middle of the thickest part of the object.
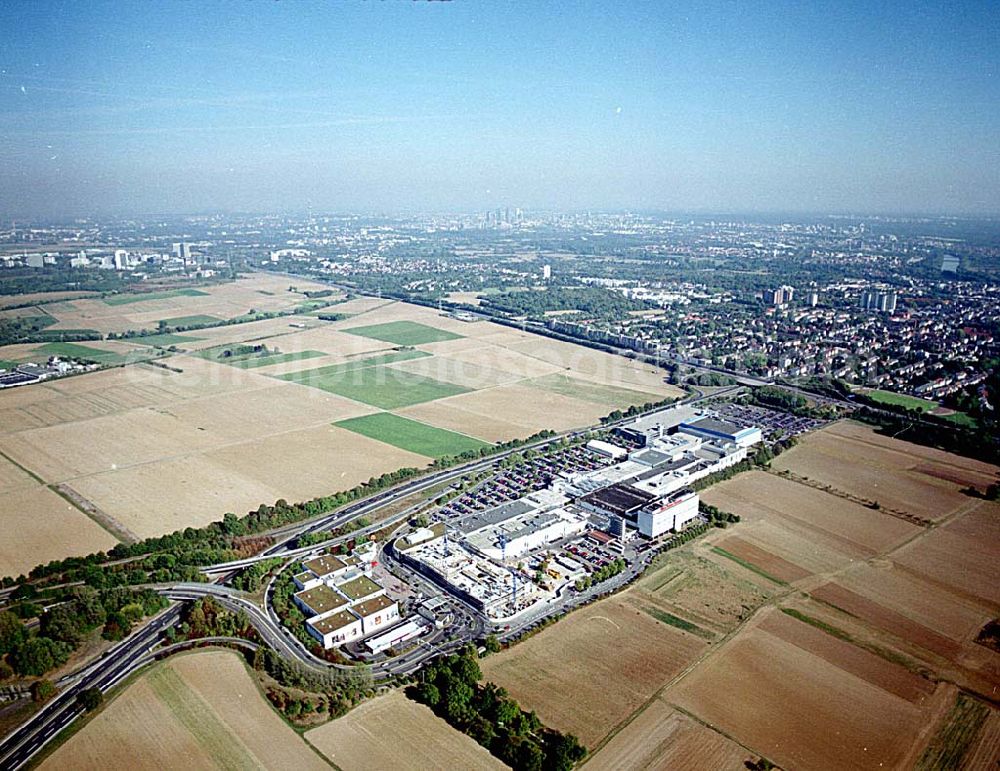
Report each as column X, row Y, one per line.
column 93, row 512
column 906, row 516
column 23, row 468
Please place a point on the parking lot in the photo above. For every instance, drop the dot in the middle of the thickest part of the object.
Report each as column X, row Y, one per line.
column 528, row 477
column 772, row 422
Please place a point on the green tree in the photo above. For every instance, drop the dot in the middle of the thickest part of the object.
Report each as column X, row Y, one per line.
column 90, row 698
column 116, row 627
column 42, row 690
column 12, row 632
column 38, row 655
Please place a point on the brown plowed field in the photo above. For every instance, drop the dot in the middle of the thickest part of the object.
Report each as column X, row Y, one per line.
column 887, row 619
column 796, row 708
column 769, row 563
column 855, row 459
column 890, row 677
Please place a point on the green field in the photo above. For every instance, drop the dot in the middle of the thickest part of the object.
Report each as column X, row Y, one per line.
column 165, row 339
column 902, row 400
column 403, row 333
column 4, row 364
column 76, row 351
column 368, row 382
column 955, row 736
column 128, row 299
column 916, row 403
column 314, row 376
column 187, row 321
column 598, row 393
column 275, row 358
column 411, row 435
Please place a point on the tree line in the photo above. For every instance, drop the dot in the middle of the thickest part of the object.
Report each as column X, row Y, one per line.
column 450, row 686
column 63, row 627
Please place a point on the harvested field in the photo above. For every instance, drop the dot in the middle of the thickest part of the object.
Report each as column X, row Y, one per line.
column 798, row 709
column 13, row 477
column 40, row 297
column 198, row 710
column 962, row 555
column 856, row 661
column 704, row 591
column 40, row 526
column 525, row 408
column 589, row 672
column 662, row 737
column 840, row 525
column 179, row 305
column 606, row 395
column 198, row 488
column 897, row 474
column 181, row 443
column 392, row 732
column 928, row 604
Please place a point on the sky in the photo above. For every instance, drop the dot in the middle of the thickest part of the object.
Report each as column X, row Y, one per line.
column 183, row 106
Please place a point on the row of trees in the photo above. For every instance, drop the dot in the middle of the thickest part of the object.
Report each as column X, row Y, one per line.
column 601, row 575
column 450, row 686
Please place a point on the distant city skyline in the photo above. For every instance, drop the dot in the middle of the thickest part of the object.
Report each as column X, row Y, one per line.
column 119, row 109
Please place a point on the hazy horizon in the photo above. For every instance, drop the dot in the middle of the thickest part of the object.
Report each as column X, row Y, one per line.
column 179, row 108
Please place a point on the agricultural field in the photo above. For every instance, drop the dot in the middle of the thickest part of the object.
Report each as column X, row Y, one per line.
column 920, row 480
column 589, row 672
column 199, row 710
column 403, row 333
column 662, row 737
column 817, row 702
column 410, row 435
column 41, row 297
column 152, row 449
column 182, row 306
column 393, row 732
column 821, row 632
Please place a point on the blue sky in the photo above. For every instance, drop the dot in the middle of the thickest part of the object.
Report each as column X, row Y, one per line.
column 180, row 107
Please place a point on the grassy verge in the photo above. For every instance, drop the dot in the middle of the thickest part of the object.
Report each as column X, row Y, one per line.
column 890, row 656
column 676, row 621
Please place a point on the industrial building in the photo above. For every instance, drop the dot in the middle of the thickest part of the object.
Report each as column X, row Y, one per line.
column 340, row 602
column 495, row 590
column 400, row 633
column 714, row 428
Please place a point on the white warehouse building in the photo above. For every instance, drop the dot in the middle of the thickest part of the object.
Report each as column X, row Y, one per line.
column 670, row 513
